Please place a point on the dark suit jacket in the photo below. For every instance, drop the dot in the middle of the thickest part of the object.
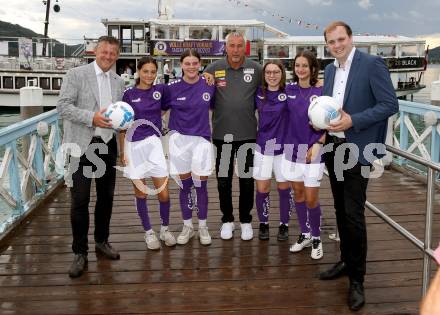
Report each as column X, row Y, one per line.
column 369, row 99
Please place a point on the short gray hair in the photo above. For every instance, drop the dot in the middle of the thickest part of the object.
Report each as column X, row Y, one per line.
column 108, row 39
column 236, row 34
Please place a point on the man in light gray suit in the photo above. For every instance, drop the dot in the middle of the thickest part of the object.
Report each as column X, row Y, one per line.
column 85, row 94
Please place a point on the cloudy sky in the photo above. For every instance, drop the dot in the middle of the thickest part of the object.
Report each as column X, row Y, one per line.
column 79, row 18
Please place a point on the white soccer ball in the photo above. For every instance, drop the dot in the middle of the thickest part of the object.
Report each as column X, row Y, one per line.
column 323, row 110
column 121, row 115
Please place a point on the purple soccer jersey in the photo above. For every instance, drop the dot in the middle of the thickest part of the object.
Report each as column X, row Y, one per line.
column 190, row 105
column 147, row 105
column 300, row 135
column 271, row 108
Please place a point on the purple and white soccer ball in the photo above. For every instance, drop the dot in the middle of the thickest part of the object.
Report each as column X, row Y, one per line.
column 324, row 110
column 121, row 115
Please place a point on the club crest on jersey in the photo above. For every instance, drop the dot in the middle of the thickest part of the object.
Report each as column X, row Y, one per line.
column 282, row 97
column 206, row 96
column 157, row 95
column 247, row 77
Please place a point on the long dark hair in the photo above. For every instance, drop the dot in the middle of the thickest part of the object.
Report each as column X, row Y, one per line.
column 187, row 53
column 264, row 84
column 313, row 66
column 143, row 61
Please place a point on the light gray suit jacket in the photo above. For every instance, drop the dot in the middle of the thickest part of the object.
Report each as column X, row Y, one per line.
column 79, row 100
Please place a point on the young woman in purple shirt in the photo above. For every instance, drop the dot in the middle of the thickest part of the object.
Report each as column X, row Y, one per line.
column 302, row 164
column 270, row 101
column 190, row 100
column 142, row 153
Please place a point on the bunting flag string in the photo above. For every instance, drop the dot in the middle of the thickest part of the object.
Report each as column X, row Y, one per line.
column 291, row 20
column 282, row 18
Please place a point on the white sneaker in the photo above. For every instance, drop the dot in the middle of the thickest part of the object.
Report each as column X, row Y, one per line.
column 167, row 237
column 185, row 235
column 227, row 230
column 246, row 232
column 317, row 251
column 151, row 240
column 303, row 241
column 204, row 237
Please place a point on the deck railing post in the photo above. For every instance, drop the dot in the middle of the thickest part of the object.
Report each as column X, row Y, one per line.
column 38, row 164
column 430, row 193
column 435, row 143
column 403, row 138
column 14, row 179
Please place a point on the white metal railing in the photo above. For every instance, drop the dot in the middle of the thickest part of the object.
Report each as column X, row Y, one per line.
column 415, row 129
column 27, row 166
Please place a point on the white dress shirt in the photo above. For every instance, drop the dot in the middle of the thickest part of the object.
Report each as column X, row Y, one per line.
column 340, row 82
column 104, row 133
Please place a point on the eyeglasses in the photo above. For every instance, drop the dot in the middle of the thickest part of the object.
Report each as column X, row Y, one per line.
column 269, row 73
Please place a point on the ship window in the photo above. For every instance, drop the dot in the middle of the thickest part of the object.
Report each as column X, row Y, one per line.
column 174, row 32
column 138, row 32
column 227, row 31
column 277, row 51
column 32, row 81
column 56, row 83
column 8, row 83
column 327, row 53
column 113, row 30
column 45, row 83
column 195, row 33
column 386, row 51
column 312, row 49
column 365, row 49
column 408, row 51
column 126, row 39
column 20, row 82
column 160, row 33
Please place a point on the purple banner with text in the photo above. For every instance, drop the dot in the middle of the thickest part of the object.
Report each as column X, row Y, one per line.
column 204, row 47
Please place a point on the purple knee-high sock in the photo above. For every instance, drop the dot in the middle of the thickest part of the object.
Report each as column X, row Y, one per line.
column 202, row 200
column 315, row 221
column 301, row 213
column 141, row 207
column 185, row 197
column 284, row 205
column 164, row 212
column 262, row 201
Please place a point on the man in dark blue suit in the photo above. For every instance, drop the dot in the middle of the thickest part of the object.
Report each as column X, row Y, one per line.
column 362, row 84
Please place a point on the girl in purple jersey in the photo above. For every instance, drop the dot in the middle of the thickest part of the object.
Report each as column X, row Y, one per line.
column 142, row 153
column 302, row 163
column 270, row 101
column 190, row 100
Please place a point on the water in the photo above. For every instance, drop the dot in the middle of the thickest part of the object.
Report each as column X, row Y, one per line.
column 431, row 74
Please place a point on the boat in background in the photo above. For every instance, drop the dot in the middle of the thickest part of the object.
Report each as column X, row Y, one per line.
column 33, row 69
column 165, row 38
column 405, row 57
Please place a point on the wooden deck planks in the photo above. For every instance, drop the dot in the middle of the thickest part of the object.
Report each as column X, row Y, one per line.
column 228, row 277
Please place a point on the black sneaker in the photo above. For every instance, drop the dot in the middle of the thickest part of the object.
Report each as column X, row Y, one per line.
column 79, row 264
column 263, row 233
column 283, row 233
column 106, row 250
